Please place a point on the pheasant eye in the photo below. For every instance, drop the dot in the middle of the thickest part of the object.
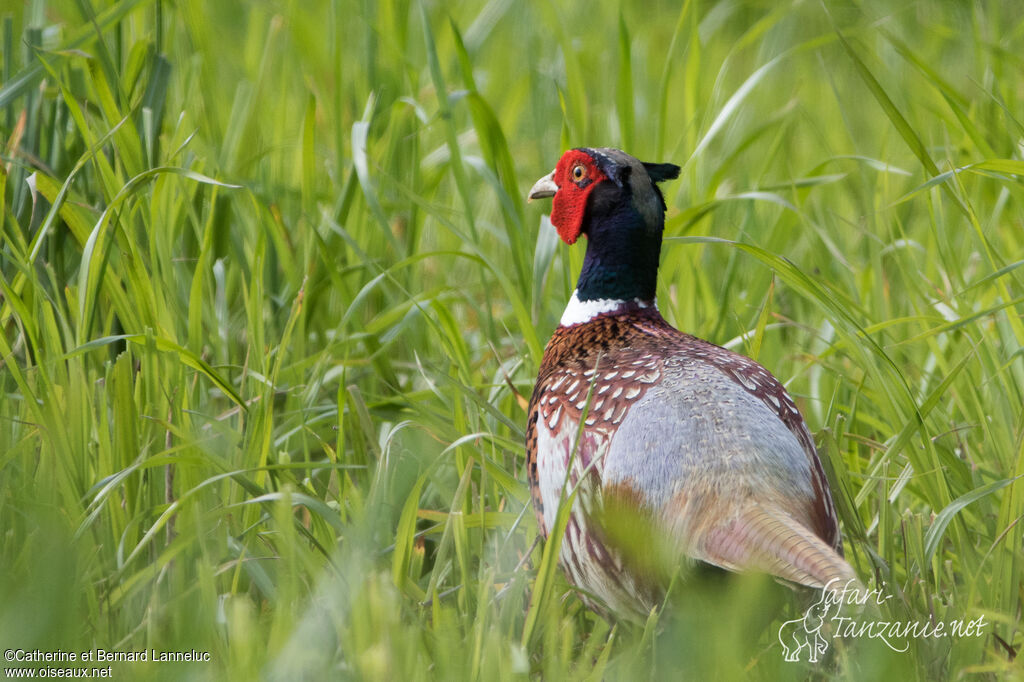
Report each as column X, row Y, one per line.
column 578, row 172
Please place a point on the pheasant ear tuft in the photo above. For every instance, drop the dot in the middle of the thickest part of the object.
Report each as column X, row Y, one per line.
column 660, row 172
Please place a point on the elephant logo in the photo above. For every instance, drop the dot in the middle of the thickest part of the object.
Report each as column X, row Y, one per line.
column 800, row 633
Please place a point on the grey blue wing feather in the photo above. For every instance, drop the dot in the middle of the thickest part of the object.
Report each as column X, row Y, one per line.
column 729, row 480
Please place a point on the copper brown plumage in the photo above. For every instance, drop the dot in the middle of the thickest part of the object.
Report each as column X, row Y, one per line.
column 704, row 444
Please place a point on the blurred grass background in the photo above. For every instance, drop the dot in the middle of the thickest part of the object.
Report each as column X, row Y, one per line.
column 270, row 293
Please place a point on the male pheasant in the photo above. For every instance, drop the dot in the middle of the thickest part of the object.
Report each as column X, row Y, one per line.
column 702, row 444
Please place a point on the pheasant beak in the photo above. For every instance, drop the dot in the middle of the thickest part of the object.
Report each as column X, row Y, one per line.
column 544, row 188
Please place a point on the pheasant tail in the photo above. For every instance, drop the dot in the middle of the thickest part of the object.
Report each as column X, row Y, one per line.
column 773, row 541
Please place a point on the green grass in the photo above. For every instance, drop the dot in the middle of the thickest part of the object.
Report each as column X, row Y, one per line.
column 273, row 294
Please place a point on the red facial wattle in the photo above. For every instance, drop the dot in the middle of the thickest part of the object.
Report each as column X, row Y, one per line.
column 576, row 176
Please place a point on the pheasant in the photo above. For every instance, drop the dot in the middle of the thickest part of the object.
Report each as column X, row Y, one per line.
column 702, row 444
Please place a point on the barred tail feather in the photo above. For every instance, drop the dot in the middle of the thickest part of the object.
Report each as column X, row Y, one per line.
column 770, row 540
